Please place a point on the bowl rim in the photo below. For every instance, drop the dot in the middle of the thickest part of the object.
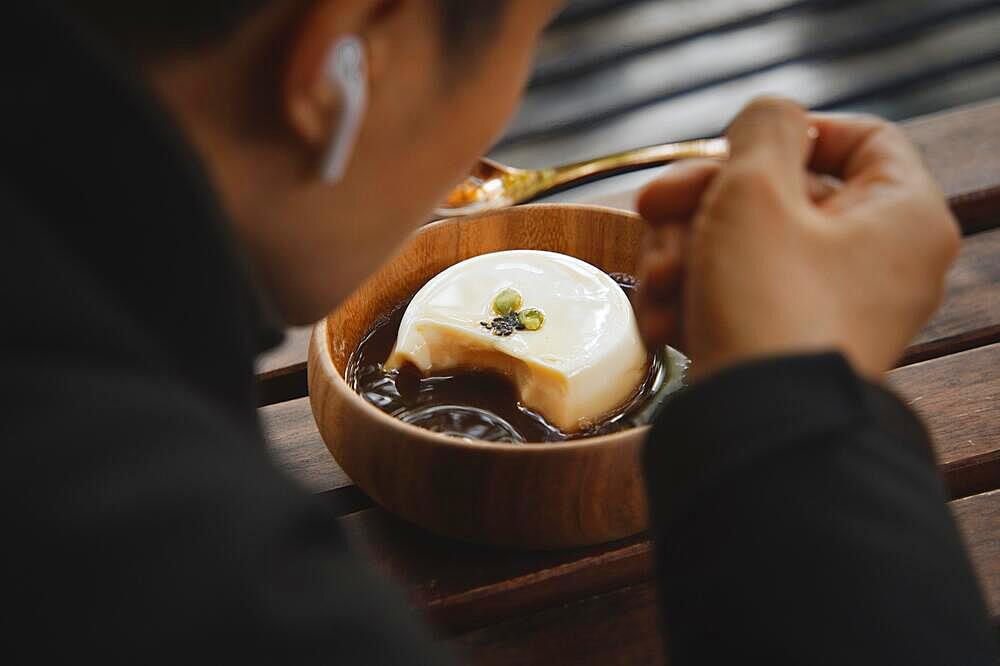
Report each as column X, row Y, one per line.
column 320, row 343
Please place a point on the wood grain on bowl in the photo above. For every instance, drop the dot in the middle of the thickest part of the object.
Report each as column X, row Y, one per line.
column 536, row 495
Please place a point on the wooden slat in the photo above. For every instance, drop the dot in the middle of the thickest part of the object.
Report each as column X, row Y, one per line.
column 281, row 373
column 292, row 351
column 298, row 449
column 962, row 150
column 958, row 397
column 622, row 627
column 301, row 452
column 969, row 316
column 462, row 586
column 978, row 519
column 619, row 627
column 967, row 87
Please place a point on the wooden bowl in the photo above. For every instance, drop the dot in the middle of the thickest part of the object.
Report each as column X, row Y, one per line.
column 519, row 495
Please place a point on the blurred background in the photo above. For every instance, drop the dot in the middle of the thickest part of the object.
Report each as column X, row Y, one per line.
column 616, row 74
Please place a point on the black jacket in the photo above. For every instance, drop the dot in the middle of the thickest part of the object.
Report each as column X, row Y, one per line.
column 145, row 521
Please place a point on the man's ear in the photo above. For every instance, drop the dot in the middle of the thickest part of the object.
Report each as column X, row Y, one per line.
column 312, row 99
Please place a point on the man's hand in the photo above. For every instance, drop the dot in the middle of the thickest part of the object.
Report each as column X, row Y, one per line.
column 769, row 255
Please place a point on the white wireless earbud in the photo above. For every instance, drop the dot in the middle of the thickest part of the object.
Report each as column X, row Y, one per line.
column 345, row 68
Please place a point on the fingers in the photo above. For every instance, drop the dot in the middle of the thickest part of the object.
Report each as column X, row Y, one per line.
column 773, row 136
column 677, row 194
column 819, row 188
column 662, row 264
column 848, row 146
column 661, row 282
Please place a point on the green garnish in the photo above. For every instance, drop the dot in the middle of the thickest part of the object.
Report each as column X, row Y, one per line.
column 506, row 302
column 531, row 319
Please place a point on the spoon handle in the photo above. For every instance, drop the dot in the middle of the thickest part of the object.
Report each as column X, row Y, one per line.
column 641, row 157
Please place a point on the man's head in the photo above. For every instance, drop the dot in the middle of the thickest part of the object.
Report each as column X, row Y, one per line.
column 248, row 81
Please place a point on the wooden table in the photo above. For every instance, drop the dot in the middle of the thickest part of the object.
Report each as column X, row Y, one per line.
column 598, row 605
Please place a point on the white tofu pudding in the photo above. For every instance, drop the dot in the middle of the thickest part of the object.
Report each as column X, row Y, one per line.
column 583, row 361
column 516, row 346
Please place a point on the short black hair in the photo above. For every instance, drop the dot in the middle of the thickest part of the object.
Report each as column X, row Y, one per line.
column 148, row 28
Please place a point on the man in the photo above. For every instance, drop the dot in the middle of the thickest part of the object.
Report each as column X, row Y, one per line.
column 177, row 179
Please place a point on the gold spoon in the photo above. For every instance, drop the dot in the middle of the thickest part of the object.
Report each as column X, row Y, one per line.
column 492, row 185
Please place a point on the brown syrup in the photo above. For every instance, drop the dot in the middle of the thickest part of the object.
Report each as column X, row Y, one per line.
column 484, row 406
